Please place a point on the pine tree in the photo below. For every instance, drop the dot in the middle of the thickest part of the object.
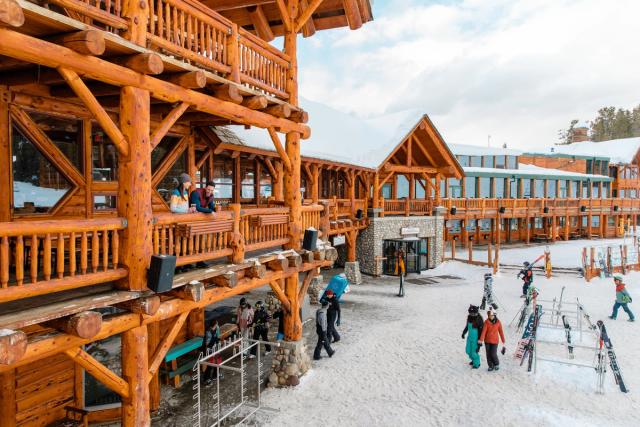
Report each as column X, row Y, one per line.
column 566, row 135
column 601, row 127
column 635, row 121
column 621, row 127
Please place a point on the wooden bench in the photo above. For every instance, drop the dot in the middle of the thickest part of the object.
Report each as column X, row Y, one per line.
column 262, row 220
column 198, row 228
column 173, row 368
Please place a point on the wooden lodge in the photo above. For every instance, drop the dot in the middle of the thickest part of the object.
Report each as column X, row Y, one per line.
column 102, row 105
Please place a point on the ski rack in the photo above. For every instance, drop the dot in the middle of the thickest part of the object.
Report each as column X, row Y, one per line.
column 245, row 345
column 578, row 314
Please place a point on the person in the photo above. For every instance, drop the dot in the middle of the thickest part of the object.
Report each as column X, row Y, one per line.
column 487, row 298
column 527, row 278
column 260, row 328
column 400, row 267
column 333, row 317
column 491, row 335
column 622, row 299
column 474, row 329
column 179, row 202
column 244, row 318
column 211, row 339
column 203, row 198
column 321, row 330
column 279, row 314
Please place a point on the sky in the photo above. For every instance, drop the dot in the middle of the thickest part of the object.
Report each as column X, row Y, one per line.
column 485, row 71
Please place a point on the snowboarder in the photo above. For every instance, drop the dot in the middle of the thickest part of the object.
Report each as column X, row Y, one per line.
column 474, row 328
column 487, row 298
column 260, row 328
column 321, row 330
column 211, row 339
column 622, row 299
column 491, row 335
column 333, row 316
column 527, row 277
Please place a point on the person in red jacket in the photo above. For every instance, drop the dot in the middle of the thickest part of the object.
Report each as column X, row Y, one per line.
column 491, row 335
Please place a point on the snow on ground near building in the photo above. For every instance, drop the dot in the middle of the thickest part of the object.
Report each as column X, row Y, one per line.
column 563, row 253
column 402, row 362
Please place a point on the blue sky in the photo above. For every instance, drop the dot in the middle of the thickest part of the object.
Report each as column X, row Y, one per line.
column 518, row 70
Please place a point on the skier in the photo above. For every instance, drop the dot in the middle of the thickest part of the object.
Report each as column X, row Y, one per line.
column 622, row 299
column 333, row 316
column 260, row 328
column 491, row 335
column 321, row 330
column 487, row 298
column 474, row 328
column 527, row 277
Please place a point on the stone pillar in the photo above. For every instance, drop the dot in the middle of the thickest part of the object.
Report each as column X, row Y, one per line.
column 437, row 248
column 352, row 271
column 314, row 290
column 290, row 361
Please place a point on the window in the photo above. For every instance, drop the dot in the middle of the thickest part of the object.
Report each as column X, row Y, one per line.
column 575, row 189
column 500, row 185
column 513, row 224
column 386, row 191
column 595, row 221
column 419, row 189
column 537, row 222
column 485, row 187
column 476, row 161
column 170, row 181
column 604, row 169
column 611, row 221
column 485, row 224
column 605, row 189
column 595, row 190
column 223, row 177
column 539, row 188
column 513, row 187
column 403, row 187
column 512, row 162
column 37, row 184
column 464, row 161
column 454, row 225
column 248, row 176
column 443, row 188
column 585, row 189
column 104, row 202
column 488, row 161
column 65, row 134
column 526, row 188
column 589, row 166
column 266, row 184
column 104, row 156
column 455, row 188
column 501, row 162
column 470, row 187
column 551, row 188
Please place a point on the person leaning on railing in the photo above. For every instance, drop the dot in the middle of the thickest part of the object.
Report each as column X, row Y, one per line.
column 179, row 202
column 203, row 198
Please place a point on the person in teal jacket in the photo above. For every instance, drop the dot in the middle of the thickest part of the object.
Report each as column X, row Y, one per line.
column 474, row 329
column 622, row 299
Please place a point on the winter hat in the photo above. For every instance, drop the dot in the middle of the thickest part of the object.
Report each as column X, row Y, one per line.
column 526, row 263
column 258, row 304
column 473, row 309
column 184, row 177
column 618, row 277
column 491, row 311
column 329, row 293
column 324, row 303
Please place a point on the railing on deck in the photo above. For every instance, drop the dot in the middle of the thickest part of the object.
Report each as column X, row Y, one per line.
column 408, row 206
column 38, row 257
column 311, row 216
column 264, row 228
column 261, row 66
column 107, row 14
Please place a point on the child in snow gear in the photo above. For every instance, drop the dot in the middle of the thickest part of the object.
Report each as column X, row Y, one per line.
column 526, row 274
column 333, row 316
column 622, row 299
column 474, row 328
column 491, row 335
column 321, row 330
column 260, row 327
column 487, row 298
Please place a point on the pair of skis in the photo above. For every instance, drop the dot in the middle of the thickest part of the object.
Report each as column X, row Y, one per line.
column 567, row 331
column 613, row 361
column 530, row 341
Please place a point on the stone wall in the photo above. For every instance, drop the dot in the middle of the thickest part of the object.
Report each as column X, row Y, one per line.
column 370, row 240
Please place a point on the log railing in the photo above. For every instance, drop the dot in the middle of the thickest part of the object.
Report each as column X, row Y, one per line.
column 261, row 66
column 105, row 14
column 38, row 257
column 311, row 216
column 264, row 228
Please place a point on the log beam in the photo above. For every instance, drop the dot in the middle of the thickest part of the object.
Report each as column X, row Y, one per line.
column 256, row 271
column 352, row 12
column 228, row 92
column 260, row 23
column 300, row 116
column 227, row 280
column 278, row 264
column 144, row 305
column 92, row 104
column 144, row 63
column 306, row 14
column 135, row 370
column 284, row 13
column 11, row 14
column 402, row 169
column 85, row 324
column 13, row 345
column 275, row 287
column 189, row 80
column 165, row 344
column 167, row 123
column 191, row 292
column 256, row 102
column 278, row 145
column 279, row 110
column 99, row 371
column 87, row 42
column 305, row 285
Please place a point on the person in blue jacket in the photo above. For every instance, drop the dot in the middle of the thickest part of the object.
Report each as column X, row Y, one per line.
column 474, row 329
column 622, row 299
column 203, row 198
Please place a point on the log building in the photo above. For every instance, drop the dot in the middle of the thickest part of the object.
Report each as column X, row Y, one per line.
column 102, row 104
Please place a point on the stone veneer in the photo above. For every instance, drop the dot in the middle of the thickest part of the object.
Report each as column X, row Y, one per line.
column 290, row 362
column 380, row 229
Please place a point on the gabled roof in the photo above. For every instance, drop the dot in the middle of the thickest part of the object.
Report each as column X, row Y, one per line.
column 477, row 150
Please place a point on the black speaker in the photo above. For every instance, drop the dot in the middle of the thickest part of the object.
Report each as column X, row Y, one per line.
column 546, row 209
column 615, row 208
column 502, row 209
column 359, row 214
column 453, row 210
column 310, row 239
column 583, row 208
column 160, row 275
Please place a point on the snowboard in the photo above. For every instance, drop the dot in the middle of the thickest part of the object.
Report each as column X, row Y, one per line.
column 613, row 361
column 526, row 334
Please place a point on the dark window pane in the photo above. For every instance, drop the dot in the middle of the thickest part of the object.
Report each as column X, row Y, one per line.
column 66, row 134
column 104, row 155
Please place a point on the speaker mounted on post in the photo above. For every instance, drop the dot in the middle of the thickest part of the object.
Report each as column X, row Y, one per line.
column 160, row 274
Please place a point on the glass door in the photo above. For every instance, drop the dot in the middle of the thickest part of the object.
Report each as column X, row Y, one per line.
column 423, row 252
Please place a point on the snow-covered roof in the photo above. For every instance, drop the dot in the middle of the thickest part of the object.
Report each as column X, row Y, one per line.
column 477, row 150
column 617, row 150
column 340, row 137
column 532, row 171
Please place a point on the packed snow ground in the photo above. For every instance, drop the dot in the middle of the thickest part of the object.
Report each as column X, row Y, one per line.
column 402, row 362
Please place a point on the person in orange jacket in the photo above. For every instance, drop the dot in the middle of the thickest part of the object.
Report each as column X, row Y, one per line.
column 491, row 335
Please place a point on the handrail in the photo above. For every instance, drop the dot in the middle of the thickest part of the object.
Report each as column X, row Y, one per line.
column 29, row 228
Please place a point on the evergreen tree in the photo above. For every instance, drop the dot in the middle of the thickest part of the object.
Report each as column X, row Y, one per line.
column 635, row 121
column 608, row 124
column 602, row 126
column 566, row 135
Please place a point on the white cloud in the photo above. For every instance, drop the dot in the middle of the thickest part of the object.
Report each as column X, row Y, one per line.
column 516, row 69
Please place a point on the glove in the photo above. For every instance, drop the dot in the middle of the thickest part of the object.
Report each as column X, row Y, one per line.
column 479, row 342
column 504, row 350
column 338, row 323
column 478, row 348
column 462, row 336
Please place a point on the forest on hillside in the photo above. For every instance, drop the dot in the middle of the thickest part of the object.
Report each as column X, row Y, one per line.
column 609, row 123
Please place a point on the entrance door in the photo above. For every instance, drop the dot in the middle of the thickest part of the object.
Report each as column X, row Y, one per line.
column 390, row 250
column 423, row 251
column 416, row 255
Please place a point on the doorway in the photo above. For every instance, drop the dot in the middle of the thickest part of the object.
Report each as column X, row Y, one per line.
column 416, row 255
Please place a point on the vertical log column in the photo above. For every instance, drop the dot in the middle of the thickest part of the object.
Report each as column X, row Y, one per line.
column 135, row 369
column 5, row 155
column 153, row 331
column 8, row 398
column 376, row 191
column 278, row 190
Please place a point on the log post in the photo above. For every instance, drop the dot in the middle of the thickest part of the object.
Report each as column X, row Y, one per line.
column 153, row 331
column 237, row 242
column 134, row 187
column 5, row 153
column 8, row 398
column 324, row 221
column 136, row 13
column 11, row 13
column 278, row 181
column 376, row 191
column 351, row 246
column 233, row 53
column 135, row 370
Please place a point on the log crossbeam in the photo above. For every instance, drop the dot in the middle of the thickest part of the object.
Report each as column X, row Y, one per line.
column 77, row 85
column 305, row 285
column 306, row 15
column 284, row 13
column 275, row 287
column 280, row 149
column 165, row 345
column 167, row 123
column 99, row 371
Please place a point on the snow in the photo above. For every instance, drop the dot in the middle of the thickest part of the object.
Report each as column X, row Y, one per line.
column 477, row 150
column 40, row 196
column 525, row 170
column 401, row 361
column 621, row 150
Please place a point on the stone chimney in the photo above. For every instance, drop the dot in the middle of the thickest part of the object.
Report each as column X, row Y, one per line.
column 580, row 133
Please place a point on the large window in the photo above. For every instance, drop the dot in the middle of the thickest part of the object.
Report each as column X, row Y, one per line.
column 589, row 166
column 476, row 161
column 595, row 190
column 605, row 189
column 248, row 174
column 470, row 187
column 223, row 177
column 501, row 162
column 488, row 161
column 464, row 161
column 551, row 188
column 485, row 187
column 37, row 184
column 526, row 188
column 512, row 162
column 562, row 189
column 403, row 187
column 500, row 187
column 266, row 184
column 575, row 189
column 455, row 188
column 539, row 190
column 418, row 189
column 65, row 134
column 104, row 155
column 386, row 191
column 585, row 189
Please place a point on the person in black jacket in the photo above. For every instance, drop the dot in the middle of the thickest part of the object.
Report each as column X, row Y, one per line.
column 527, row 278
column 279, row 314
column 333, row 316
column 321, row 330
column 260, row 327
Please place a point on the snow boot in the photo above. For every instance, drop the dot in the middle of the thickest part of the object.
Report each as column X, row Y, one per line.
column 475, row 367
column 611, row 317
column 496, row 368
column 490, row 369
column 631, row 320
